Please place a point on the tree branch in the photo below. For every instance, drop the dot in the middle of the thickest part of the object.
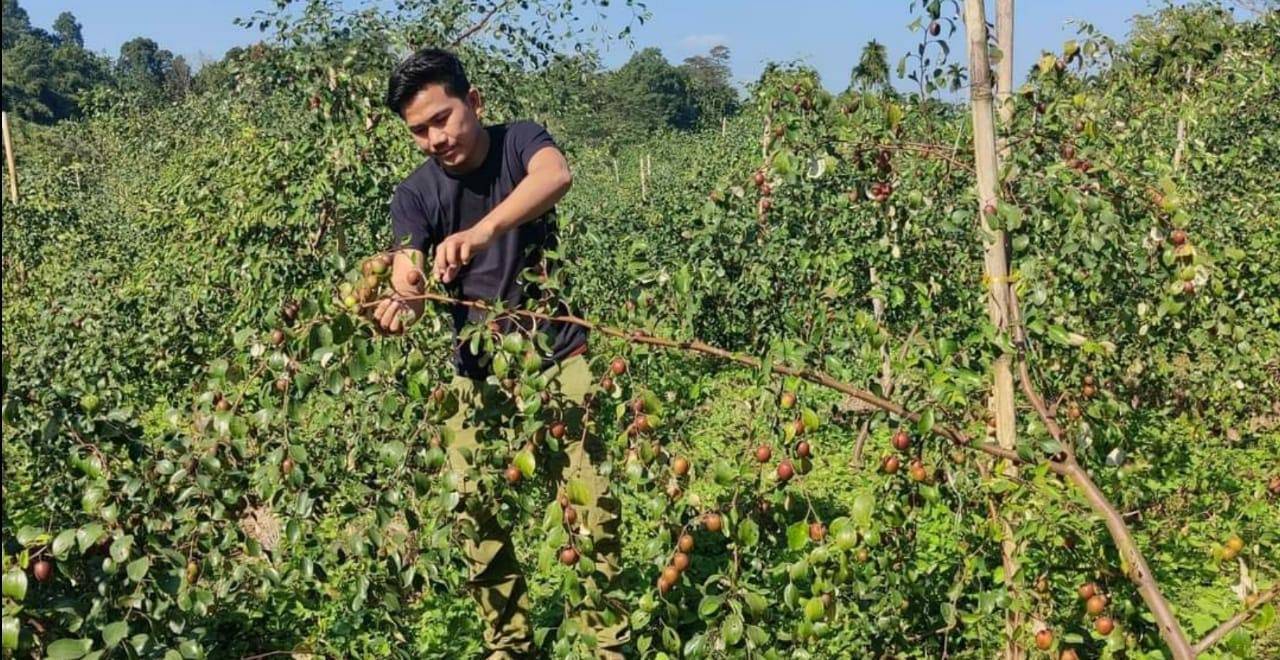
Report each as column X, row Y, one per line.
column 1236, row 621
column 1138, row 572
column 479, row 26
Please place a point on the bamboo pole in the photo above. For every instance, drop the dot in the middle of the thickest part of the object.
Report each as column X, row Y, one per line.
column 9, row 159
column 1005, row 428
column 986, row 166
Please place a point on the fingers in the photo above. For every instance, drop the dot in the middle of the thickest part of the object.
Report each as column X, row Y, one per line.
column 451, row 255
column 387, row 317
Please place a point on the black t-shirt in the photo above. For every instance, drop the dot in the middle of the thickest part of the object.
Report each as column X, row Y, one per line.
column 432, row 204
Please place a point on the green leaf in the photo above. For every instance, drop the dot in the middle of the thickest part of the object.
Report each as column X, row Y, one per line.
column 15, row 584
column 63, row 542
column 731, row 629
column 578, row 493
column 11, row 632
column 861, row 510
column 114, row 633
column 524, row 462
column 798, row 535
column 814, row 609
column 748, row 533
column 68, row 649
column 120, row 548
column 709, row 606
column 88, row 535
column 925, row 425
column 137, row 569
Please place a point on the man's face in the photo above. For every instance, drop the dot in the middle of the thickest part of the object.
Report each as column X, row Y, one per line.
column 446, row 127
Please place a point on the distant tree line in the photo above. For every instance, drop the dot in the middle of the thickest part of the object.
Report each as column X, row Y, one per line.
column 49, row 75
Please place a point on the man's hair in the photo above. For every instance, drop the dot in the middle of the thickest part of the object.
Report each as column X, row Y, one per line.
column 425, row 67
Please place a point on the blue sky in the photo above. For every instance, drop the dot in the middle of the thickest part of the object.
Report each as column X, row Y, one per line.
column 826, row 34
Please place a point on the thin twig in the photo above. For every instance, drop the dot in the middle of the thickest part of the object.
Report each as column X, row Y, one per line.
column 479, row 26
column 1236, row 621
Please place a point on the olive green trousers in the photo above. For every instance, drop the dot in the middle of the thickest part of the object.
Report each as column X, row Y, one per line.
column 497, row 582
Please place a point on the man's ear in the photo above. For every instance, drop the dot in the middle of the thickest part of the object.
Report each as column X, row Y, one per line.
column 476, row 101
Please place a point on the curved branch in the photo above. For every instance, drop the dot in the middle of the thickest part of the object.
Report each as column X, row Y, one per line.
column 479, row 26
column 1236, row 621
column 1138, row 572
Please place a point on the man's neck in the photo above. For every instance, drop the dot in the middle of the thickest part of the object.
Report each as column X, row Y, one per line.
column 476, row 158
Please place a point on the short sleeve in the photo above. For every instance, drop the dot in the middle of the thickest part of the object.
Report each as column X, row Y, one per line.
column 410, row 225
column 528, row 137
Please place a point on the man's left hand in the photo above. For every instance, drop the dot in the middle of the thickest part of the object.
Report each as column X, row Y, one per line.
column 457, row 251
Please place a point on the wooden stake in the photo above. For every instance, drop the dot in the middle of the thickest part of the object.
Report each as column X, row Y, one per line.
column 1008, row 546
column 8, row 158
column 986, row 166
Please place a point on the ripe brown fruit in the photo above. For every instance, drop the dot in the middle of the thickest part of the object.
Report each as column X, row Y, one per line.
column 1088, row 590
column 1104, row 625
column 222, row 405
column 901, row 441
column 1178, row 237
column 758, row 178
column 663, row 585
column 798, row 427
column 1274, row 485
column 763, row 453
column 787, row 400
column 1068, row 654
column 277, row 336
column 1068, row 152
column 512, row 474
column 1088, row 391
column 414, row 278
column 1044, row 639
column 680, row 561
column 558, row 430
column 779, row 131
column 618, row 366
column 637, row 405
column 680, row 466
column 935, row 29
column 803, row 450
column 685, row 543
column 1073, row 412
column 918, row 472
column 606, row 383
column 766, row 203
column 713, row 522
column 863, row 556
column 286, row 466
column 671, row 574
column 817, row 532
column 1096, row 604
column 570, row 516
column 569, row 556
column 1189, row 287
column 282, row 384
column 42, row 569
column 642, row 424
column 890, row 464
column 786, row 470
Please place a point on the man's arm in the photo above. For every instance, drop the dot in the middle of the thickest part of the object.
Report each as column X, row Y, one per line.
column 547, row 181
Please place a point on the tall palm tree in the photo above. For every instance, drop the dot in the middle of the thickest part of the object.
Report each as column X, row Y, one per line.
column 872, row 71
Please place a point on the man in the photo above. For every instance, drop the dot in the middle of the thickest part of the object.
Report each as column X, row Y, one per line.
column 484, row 201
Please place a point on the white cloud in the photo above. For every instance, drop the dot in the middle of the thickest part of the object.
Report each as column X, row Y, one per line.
column 703, row 41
